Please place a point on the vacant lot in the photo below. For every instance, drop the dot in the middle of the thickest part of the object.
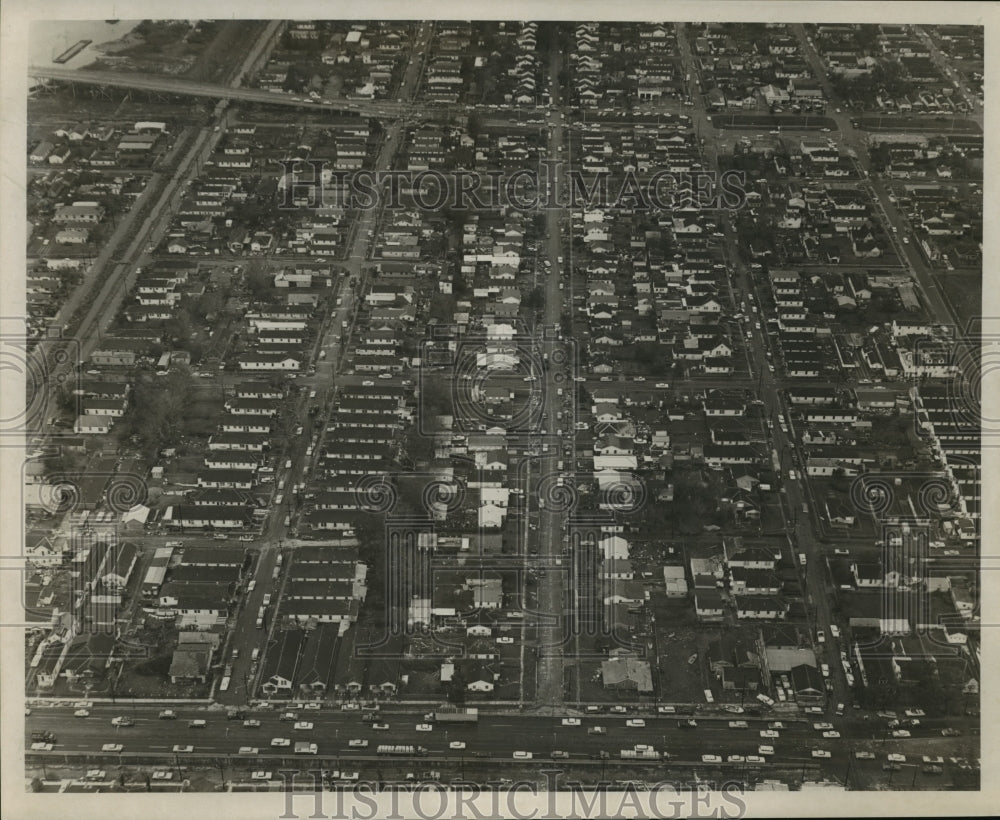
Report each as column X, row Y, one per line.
column 941, row 124
column 965, row 293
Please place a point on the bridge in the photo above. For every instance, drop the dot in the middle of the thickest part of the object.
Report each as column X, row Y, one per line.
column 175, row 85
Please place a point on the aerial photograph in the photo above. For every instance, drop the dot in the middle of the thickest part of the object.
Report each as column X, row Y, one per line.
column 559, row 405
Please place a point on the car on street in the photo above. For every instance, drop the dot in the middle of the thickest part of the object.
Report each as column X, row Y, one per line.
column 458, row 745
column 597, row 730
column 168, row 714
column 862, row 755
column 915, row 713
column 302, row 726
column 42, row 746
column 896, row 758
column 756, row 759
column 951, row 732
column 821, row 753
column 81, row 713
column 571, row 721
column 900, row 733
column 619, row 710
column 289, row 716
column 519, row 755
column 775, row 724
column 736, row 759
column 689, row 723
column 112, row 747
column 738, row 724
column 183, row 749
column 122, row 721
column 280, row 742
column 380, row 727
column 833, row 733
column 711, row 758
column 635, row 723
column 559, row 755
column 424, row 727
column 822, row 727
column 764, row 749
column 251, row 723
column 770, row 734
column 358, row 743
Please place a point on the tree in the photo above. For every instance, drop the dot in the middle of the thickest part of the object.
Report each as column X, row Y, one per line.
column 474, row 125
column 260, row 283
column 566, row 324
column 535, row 300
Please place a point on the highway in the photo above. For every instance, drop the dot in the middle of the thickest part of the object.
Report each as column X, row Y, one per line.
column 176, row 85
column 494, row 739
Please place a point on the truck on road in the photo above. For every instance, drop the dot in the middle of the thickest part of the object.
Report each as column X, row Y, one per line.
column 457, row 716
column 304, row 747
column 640, row 754
column 401, row 751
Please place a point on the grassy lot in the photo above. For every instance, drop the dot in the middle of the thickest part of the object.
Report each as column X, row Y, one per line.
column 941, row 124
column 965, row 293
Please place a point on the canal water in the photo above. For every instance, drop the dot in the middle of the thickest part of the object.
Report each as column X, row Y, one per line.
column 50, row 38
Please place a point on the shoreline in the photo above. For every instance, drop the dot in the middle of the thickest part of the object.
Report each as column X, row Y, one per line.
column 123, row 43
